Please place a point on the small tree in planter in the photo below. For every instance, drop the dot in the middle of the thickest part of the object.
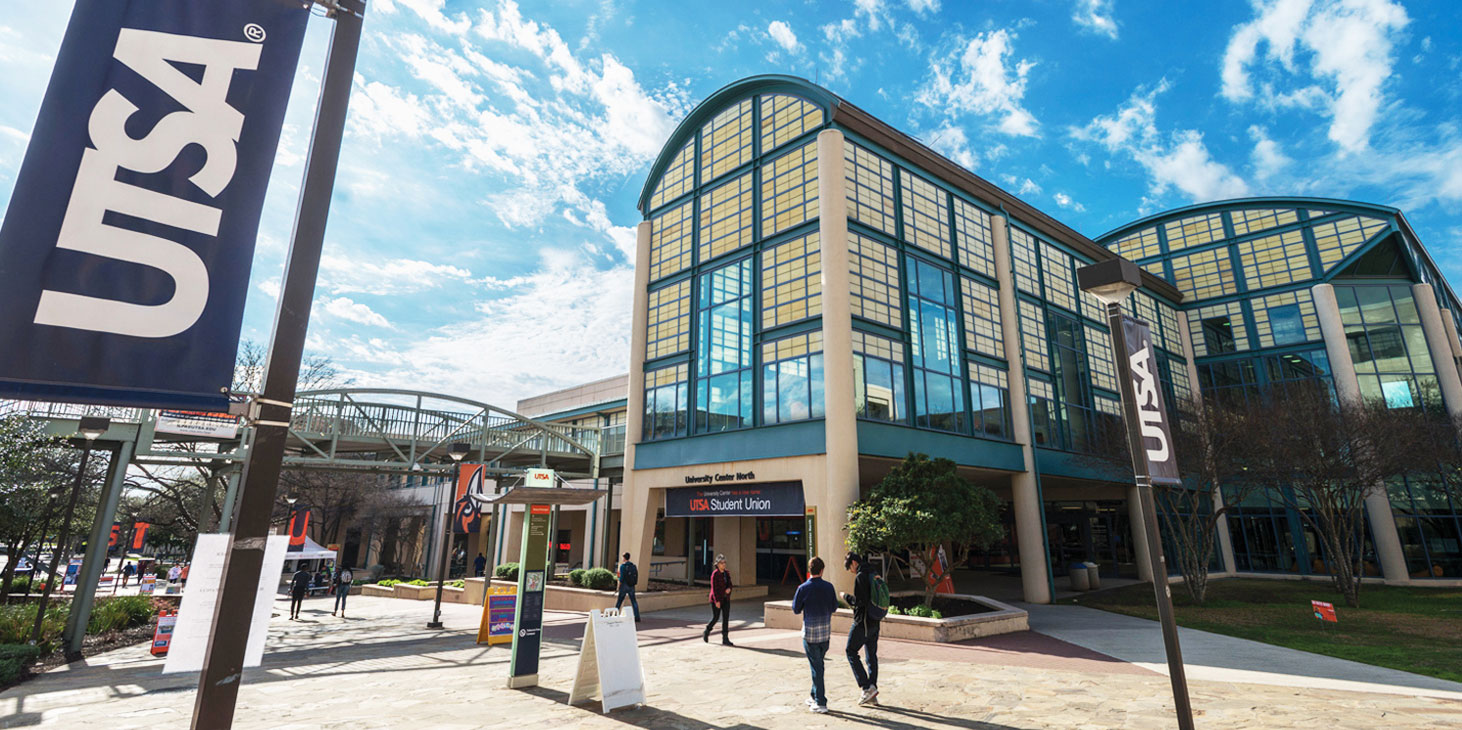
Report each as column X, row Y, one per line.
column 921, row 505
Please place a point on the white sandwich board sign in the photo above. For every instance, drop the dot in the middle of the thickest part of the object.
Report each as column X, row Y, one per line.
column 609, row 662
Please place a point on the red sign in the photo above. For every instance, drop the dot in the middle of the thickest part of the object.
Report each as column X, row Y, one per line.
column 139, row 534
column 1324, row 611
column 541, row 509
column 299, row 524
column 116, row 531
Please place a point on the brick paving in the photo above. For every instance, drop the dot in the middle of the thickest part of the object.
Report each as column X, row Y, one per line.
column 382, row 668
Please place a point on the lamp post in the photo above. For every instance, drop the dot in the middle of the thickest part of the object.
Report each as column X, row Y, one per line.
column 91, row 428
column 1111, row 282
column 458, row 452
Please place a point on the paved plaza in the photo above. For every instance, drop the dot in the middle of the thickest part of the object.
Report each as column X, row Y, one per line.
column 381, row 668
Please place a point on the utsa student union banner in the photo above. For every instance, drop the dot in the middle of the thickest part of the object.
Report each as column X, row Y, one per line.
column 126, row 250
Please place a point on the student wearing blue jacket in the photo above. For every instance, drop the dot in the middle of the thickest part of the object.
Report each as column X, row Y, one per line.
column 816, row 601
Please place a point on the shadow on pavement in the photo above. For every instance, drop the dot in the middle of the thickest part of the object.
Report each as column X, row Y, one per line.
column 643, row 716
column 919, row 719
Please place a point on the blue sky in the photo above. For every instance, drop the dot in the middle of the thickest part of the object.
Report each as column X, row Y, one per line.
column 481, row 235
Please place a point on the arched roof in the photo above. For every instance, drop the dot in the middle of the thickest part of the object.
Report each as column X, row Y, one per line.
column 1242, row 203
column 722, row 98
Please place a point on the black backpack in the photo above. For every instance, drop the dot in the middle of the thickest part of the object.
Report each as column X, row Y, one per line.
column 629, row 574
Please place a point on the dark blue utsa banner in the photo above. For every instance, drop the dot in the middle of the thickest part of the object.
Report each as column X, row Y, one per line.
column 125, row 253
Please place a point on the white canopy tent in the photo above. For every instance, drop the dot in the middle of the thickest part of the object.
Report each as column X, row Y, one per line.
column 311, row 551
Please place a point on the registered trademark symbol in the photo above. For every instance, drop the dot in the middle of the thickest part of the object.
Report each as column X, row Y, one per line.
column 254, row 32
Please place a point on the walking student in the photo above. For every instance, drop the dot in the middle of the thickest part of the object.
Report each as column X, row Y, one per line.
column 343, row 577
column 128, row 570
column 299, row 584
column 816, row 601
column 629, row 578
column 479, row 565
column 867, row 613
column 720, row 601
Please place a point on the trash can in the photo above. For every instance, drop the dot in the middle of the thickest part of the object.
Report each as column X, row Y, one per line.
column 1080, row 577
column 1092, row 575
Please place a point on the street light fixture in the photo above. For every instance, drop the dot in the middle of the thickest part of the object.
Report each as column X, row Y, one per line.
column 1112, row 282
column 91, row 428
column 458, row 452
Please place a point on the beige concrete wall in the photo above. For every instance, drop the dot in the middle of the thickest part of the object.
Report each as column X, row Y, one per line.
column 638, row 506
column 580, row 396
column 1440, row 347
column 840, row 488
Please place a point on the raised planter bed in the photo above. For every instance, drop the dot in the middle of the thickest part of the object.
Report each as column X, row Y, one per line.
column 564, row 598
column 379, row 591
column 999, row 619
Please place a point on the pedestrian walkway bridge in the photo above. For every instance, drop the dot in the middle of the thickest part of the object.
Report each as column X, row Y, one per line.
column 379, row 430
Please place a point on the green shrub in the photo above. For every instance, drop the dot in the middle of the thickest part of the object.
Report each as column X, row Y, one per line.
column 576, row 576
column 14, row 658
column 21, row 584
column 459, row 583
column 936, row 614
column 387, row 583
column 417, row 582
column 895, row 611
column 923, row 611
column 18, row 620
column 121, row 612
column 599, row 579
column 506, row 571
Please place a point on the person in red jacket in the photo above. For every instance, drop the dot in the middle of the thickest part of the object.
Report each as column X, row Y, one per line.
column 720, row 601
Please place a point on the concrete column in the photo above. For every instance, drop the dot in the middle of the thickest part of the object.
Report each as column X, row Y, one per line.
column 841, row 424
column 1030, row 531
column 1449, row 322
column 1225, row 540
column 95, row 560
column 726, row 540
column 1438, row 344
column 639, row 504
column 1347, row 387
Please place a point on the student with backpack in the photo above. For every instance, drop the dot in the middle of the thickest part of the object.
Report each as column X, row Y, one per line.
column 629, row 577
column 869, row 602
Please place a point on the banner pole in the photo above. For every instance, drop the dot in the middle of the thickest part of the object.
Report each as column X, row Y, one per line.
column 223, row 662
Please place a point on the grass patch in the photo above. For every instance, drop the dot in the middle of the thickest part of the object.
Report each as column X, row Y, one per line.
column 1412, row 629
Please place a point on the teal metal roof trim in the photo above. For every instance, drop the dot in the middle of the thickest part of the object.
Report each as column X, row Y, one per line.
column 717, row 102
column 1245, row 203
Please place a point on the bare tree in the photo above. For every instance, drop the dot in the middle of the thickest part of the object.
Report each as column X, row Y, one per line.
column 317, row 372
column 1322, row 459
column 1206, row 441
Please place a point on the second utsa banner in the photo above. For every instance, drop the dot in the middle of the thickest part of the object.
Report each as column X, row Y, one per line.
column 126, row 250
column 1157, row 438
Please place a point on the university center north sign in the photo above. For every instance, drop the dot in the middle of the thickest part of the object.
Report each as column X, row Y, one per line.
column 767, row 499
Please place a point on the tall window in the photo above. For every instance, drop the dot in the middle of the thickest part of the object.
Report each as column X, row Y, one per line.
column 973, row 234
column 874, row 270
column 989, row 401
column 724, row 314
column 785, row 118
column 1387, row 345
column 789, row 190
column 726, row 142
column 791, row 281
column 926, row 214
column 666, row 392
column 678, row 179
column 1072, row 383
column 982, row 318
column 670, row 236
column 792, row 385
column 869, row 188
column 878, row 378
column 725, row 219
column 668, row 330
column 1204, row 274
column 1275, row 260
column 934, row 329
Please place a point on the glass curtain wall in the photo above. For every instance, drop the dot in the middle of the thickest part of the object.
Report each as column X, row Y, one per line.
column 934, row 331
column 724, row 315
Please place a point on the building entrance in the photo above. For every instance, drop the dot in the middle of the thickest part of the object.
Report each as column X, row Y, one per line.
column 781, row 548
column 1096, row 532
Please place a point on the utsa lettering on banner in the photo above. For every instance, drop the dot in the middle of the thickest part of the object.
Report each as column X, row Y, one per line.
column 126, row 251
column 299, row 526
column 1152, row 416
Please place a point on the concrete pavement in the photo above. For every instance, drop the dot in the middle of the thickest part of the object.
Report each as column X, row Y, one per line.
column 1218, row 658
column 381, row 668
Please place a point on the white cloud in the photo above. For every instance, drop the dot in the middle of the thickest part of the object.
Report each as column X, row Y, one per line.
column 1269, row 159
column 951, row 141
column 783, row 35
column 1065, row 201
column 1177, row 160
column 352, row 311
column 1335, row 54
column 431, row 11
column 981, row 81
column 1095, row 16
column 575, row 320
column 1023, row 186
column 924, row 6
column 391, row 277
